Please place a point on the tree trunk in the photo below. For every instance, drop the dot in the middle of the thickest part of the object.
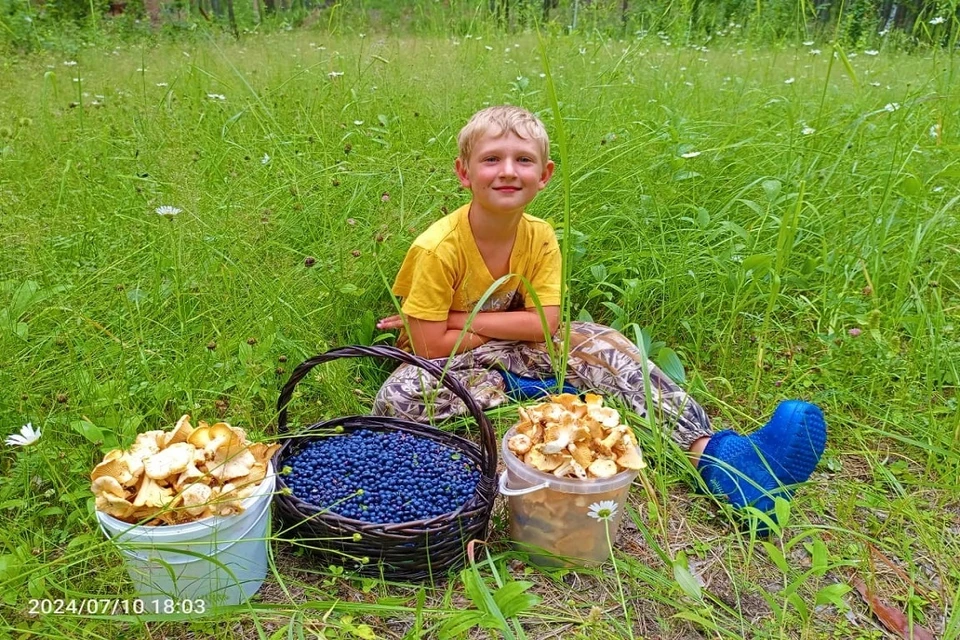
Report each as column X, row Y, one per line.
column 152, row 7
column 233, row 20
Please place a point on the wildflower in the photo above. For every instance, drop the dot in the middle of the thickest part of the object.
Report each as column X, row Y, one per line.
column 938, row 20
column 935, row 131
column 27, row 436
column 891, row 106
column 140, row 69
column 603, row 510
column 814, row 52
column 808, row 43
column 807, row 131
column 70, row 63
column 217, row 96
column 871, row 52
column 265, row 159
column 855, row 332
column 333, row 75
column 162, row 84
column 690, row 154
column 788, row 81
column 488, row 47
column 583, row 51
column 358, row 122
column 883, row 33
column 543, row 75
column 874, row 84
column 167, row 211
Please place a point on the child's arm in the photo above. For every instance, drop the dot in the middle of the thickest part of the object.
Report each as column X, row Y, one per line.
column 429, row 339
column 508, row 325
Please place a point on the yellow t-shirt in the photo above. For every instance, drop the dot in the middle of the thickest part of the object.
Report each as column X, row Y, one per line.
column 444, row 271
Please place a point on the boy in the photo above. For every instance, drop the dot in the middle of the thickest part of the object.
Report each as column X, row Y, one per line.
column 504, row 161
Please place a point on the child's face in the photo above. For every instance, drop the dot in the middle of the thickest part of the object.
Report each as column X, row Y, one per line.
column 504, row 172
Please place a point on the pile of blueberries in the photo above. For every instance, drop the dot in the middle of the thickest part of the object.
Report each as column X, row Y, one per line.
column 382, row 476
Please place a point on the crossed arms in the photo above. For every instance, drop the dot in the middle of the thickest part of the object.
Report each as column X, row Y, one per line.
column 430, row 339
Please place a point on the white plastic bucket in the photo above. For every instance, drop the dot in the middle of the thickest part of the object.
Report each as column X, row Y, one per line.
column 550, row 516
column 217, row 561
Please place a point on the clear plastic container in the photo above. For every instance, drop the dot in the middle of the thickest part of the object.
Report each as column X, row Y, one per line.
column 221, row 560
column 550, row 516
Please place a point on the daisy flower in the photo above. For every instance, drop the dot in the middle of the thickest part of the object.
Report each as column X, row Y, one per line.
column 167, row 211
column 27, row 436
column 938, row 20
column 603, row 510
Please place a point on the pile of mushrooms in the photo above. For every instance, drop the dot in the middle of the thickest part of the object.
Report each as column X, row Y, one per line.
column 575, row 438
column 179, row 476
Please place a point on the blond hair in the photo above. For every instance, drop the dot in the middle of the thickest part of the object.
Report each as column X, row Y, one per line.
column 503, row 119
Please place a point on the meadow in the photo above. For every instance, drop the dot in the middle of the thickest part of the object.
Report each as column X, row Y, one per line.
column 769, row 222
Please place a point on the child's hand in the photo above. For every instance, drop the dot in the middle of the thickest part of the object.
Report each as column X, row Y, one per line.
column 391, row 322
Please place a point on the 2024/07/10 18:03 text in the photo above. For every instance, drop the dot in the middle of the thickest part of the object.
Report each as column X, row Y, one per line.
column 113, row 606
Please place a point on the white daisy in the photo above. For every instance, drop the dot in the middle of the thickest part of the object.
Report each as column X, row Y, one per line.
column 334, row 74
column 935, row 131
column 808, row 130
column 217, row 96
column 603, row 510
column 162, row 84
column 690, row 154
column 70, row 63
column 808, row 43
column 938, row 20
column 265, row 159
column 814, row 52
column 874, row 84
column 167, row 211
column 788, row 81
column 871, row 52
column 27, row 436
column 488, row 47
column 892, row 106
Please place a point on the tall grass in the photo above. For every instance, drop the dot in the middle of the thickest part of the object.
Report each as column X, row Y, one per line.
column 784, row 231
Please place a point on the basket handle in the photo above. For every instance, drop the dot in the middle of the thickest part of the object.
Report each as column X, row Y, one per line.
column 487, row 438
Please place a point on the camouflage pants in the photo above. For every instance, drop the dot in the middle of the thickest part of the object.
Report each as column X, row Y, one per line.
column 601, row 360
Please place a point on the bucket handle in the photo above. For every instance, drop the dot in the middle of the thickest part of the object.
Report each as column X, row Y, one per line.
column 519, row 492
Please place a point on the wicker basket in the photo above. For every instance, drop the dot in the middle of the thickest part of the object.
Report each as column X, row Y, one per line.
column 403, row 550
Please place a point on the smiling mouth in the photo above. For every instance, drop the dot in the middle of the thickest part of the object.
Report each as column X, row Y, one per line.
column 510, row 189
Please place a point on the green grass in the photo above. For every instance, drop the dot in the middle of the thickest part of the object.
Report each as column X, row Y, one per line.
column 745, row 222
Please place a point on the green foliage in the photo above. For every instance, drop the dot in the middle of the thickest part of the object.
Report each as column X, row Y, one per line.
column 790, row 239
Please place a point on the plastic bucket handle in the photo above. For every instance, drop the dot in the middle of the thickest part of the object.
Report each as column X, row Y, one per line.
column 519, row 492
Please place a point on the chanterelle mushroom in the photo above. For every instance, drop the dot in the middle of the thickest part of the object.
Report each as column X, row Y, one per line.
column 196, row 498
column 557, row 437
column 227, row 467
column 544, row 462
column 573, row 437
column 181, row 432
column 519, row 444
column 152, row 494
column 603, row 468
column 631, row 458
column 171, row 461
